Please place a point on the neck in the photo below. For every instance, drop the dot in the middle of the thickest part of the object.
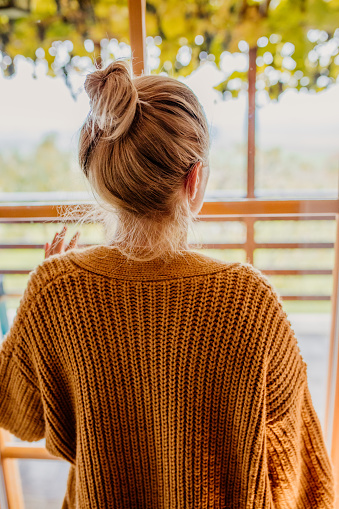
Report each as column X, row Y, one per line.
column 143, row 239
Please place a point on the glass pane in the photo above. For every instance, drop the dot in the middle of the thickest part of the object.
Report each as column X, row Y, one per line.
column 227, row 118
column 297, row 145
column 40, row 114
column 295, row 231
column 218, row 232
column 39, row 136
column 228, row 152
column 43, row 483
column 312, row 330
column 294, row 258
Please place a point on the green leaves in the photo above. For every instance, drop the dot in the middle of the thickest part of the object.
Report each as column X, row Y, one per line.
column 296, row 39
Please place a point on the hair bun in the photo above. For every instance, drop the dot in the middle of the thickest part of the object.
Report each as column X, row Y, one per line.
column 113, row 98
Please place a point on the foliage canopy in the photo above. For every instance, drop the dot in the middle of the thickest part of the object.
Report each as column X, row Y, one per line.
column 297, row 40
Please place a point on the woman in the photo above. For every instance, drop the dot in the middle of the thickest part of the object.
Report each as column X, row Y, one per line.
column 167, row 379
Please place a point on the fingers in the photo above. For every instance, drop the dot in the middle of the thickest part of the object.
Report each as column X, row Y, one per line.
column 74, row 242
column 50, row 249
column 47, row 249
column 58, row 243
column 57, row 246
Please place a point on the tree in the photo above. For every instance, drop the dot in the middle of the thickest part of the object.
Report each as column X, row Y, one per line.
column 297, row 40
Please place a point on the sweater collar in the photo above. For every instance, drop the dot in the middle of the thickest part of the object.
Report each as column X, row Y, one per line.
column 109, row 261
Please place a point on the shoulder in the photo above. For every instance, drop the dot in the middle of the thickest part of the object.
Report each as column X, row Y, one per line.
column 244, row 274
column 257, row 278
column 48, row 272
column 43, row 282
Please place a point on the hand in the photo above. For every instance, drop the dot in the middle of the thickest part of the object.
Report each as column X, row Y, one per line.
column 58, row 244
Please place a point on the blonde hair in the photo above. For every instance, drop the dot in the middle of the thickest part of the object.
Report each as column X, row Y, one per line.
column 137, row 147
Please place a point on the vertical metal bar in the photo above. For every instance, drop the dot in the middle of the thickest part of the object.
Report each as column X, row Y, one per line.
column 137, row 30
column 252, row 71
column 250, row 245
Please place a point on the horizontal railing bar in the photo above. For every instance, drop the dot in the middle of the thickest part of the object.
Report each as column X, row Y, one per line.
column 34, row 220
column 212, row 218
column 24, row 451
column 15, row 271
column 296, row 272
column 256, row 207
column 268, row 217
column 34, row 246
column 286, row 272
column 22, row 246
column 211, row 245
column 10, row 295
column 297, row 218
column 65, row 198
column 246, row 207
column 284, row 297
column 306, row 297
column 294, row 245
column 195, row 246
column 240, row 245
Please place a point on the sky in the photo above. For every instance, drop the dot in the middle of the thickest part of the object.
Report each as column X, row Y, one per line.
column 31, row 107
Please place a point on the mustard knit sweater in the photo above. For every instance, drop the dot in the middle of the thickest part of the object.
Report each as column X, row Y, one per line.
column 165, row 384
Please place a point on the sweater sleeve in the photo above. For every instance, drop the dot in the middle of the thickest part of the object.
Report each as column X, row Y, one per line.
column 21, row 409
column 299, row 470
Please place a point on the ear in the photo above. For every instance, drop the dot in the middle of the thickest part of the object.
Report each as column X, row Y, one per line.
column 192, row 181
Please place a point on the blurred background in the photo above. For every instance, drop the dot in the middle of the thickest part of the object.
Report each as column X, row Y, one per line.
column 266, row 73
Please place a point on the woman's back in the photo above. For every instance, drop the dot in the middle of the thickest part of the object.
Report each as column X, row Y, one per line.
column 167, row 385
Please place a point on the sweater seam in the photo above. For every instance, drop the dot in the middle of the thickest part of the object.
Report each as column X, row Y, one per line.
column 80, row 269
column 224, row 268
column 33, row 298
column 12, row 358
column 280, row 416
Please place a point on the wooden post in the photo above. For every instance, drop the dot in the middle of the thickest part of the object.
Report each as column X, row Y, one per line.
column 332, row 407
column 137, row 30
column 11, row 477
column 252, row 71
column 3, row 496
column 250, row 244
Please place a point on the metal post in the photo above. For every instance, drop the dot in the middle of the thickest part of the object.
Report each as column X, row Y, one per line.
column 250, row 244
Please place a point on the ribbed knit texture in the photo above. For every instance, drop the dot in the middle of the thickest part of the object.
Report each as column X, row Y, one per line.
column 166, row 385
